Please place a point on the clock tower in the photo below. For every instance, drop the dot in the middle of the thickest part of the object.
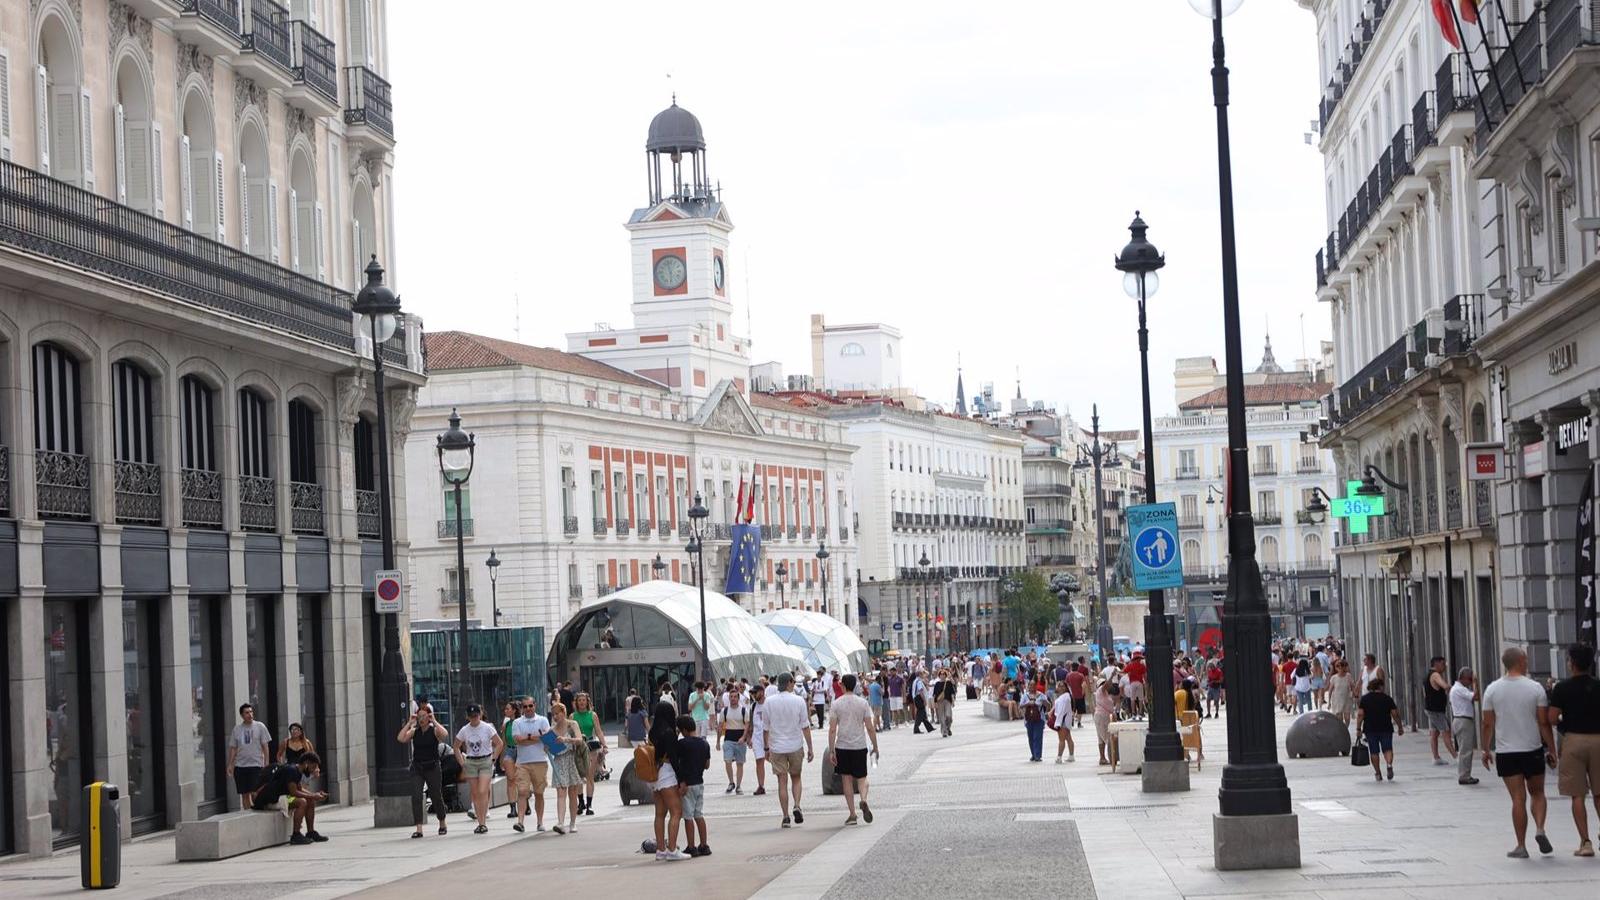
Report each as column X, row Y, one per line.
column 682, row 332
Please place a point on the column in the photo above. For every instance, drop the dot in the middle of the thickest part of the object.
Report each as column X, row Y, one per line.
column 235, row 662
column 286, row 637
column 25, row 712
column 177, row 695
column 103, row 656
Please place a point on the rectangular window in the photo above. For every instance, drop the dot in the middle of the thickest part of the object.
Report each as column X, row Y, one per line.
column 619, row 495
column 597, row 493
column 1267, row 503
column 1186, row 464
column 568, row 489
column 1555, row 203
column 663, row 511
column 450, row 504
column 641, row 498
column 1189, row 507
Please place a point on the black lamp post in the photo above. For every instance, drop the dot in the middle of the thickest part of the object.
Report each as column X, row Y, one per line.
column 782, row 572
column 927, row 615
column 1096, row 457
column 1317, row 509
column 1253, row 781
column 822, row 560
column 697, row 549
column 457, row 450
column 380, row 309
column 658, row 568
column 493, row 562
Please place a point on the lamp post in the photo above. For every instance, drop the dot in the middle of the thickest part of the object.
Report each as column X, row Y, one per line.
column 696, row 548
column 493, row 562
column 658, row 568
column 1253, row 781
column 1096, row 456
column 822, row 561
column 927, row 617
column 379, row 308
column 783, row 575
column 457, row 450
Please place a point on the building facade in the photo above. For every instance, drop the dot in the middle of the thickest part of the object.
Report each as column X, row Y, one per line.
column 1402, row 270
column 188, row 440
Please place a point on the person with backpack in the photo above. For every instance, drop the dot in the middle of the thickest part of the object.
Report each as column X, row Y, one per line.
column 652, row 763
column 1302, row 686
column 1034, row 703
column 945, row 703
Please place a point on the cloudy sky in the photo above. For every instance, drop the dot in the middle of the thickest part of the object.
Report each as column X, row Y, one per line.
column 965, row 172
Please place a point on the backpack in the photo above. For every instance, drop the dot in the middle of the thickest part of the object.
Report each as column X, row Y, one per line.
column 1031, row 712
column 644, row 762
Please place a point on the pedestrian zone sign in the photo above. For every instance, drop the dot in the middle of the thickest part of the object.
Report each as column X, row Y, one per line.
column 1356, row 508
column 1157, row 562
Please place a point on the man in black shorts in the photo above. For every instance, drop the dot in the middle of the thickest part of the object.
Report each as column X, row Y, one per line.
column 1516, row 728
column 848, row 735
column 288, row 781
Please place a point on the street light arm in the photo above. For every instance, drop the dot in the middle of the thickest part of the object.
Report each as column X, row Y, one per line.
column 1378, row 473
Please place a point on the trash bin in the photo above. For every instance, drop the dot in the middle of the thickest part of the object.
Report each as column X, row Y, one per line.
column 101, row 850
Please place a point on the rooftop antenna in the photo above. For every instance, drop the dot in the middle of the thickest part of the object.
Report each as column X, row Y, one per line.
column 1303, row 354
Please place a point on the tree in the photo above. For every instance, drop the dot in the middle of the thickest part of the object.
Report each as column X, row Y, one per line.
column 1033, row 609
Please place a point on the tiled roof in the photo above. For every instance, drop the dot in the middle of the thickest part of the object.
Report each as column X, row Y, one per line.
column 1125, row 435
column 451, row 350
column 798, row 403
column 1269, row 394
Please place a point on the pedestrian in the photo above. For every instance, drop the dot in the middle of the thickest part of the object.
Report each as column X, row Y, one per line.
column 1436, row 706
column 638, row 723
column 477, row 744
column 1077, row 681
column 1463, row 722
column 1378, row 719
column 1302, row 686
column 289, row 781
column 247, row 754
column 1061, row 719
column 1137, row 671
column 1575, row 712
column 565, row 774
column 1341, row 692
column 1215, row 687
column 945, row 702
column 531, row 764
column 756, row 737
column 1518, row 742
column 879, row 708
column 919, row 699
column 423, row 733
column 1034, row 704
column 1319, row 677
column 788, row 729
column 897, row 699
column 692, row 760
column 848, row 737
column 1370, row 670
column 295, row 745
column 735, row 723
column 506, row 762
column 701, row 702
column 663, row 749
column 594, row 738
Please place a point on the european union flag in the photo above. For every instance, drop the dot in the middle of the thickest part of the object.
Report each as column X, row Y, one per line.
column 742, row 562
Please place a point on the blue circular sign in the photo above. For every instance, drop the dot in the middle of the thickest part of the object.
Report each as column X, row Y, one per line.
column 1155, row 547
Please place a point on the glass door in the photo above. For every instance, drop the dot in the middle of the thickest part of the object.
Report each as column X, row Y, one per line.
column 68, row 735
column 208, row 729
column 146, row 723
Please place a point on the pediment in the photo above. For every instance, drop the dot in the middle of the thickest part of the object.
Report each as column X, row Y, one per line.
column 727, row 411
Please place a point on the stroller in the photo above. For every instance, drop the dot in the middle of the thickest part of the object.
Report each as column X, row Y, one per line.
column 601, row 772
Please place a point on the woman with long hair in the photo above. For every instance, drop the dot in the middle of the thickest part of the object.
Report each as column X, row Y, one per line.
column 295, row 746
column 663, row 740
column 564, row 774
column 595, row 739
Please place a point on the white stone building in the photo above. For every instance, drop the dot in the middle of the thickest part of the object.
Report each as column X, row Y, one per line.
column 1403, row 272
column 187, row 436
column 860, row 357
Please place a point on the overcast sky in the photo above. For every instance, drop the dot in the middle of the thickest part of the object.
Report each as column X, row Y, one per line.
column 965, row 172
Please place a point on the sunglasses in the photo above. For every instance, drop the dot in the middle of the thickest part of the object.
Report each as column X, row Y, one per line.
column 528, row 706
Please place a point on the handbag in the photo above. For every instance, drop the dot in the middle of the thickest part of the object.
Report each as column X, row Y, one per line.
column 1359, row 757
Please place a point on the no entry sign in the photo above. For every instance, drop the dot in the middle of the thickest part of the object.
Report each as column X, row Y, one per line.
column 388, row 594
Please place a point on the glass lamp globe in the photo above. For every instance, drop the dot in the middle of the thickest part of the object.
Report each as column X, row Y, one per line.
column 1212, row 8
column 456, row 463
column 1130, row 284
column 386, row 323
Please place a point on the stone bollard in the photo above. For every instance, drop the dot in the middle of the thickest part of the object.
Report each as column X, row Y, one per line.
column 1316, row 735
column 633, row 788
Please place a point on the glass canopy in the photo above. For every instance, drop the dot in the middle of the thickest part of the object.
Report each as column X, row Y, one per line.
column 825, row 642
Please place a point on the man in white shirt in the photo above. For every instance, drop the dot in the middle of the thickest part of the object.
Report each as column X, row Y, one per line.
column 786, row 729
column 847, row 747
column 919, row 697
column 533, row 764
column 1515, row 726
column 1464, row 723
column 821, row 693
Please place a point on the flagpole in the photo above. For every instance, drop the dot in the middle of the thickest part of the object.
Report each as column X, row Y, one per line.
column 1488, row 54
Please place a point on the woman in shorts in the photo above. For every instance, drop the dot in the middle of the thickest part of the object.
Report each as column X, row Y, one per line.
column 477, row 744
column 663, row 740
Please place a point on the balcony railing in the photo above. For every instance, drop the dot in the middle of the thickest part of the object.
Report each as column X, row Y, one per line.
column 1043, row 525
column 601, row 526
column 664, row 529
column 844, row 535
column 451, row 597
column 1191, row 523
column 1186, row 474
column 51, row 218
column 794, row 532
column 368, row 524
column 1041, row 488
column 1058, row 560
column 224, row 13
column 604, row 590
column 1376, row 380
column 5, row 480
column 447, row 528
column 138, row 492
column 202, row 498
column 624, row 526
column 1269, row 518
column 1264, row 468
column 367, row 101
column 1350, row 61
column 62, row 480
column 1308, row 466
column 575, row 591
column 258, row 503
column 305, row 507
column 268, row 34
column 805, row 532
column 311, row 57
column 642, row 528
column 1463, row 322
column 569, row 524
column 1482, row 508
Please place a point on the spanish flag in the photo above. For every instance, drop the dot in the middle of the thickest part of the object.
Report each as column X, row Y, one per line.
column 1447, row 20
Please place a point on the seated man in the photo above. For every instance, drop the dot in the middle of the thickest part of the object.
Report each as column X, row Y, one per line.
column 289, row 781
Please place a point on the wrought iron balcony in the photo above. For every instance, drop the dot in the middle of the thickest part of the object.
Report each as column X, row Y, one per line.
column 604, row 590
column 794, row 532
column 447, row 528
column 1376, row 380
column 62, row 481
column 1047, row 525
column 844, row 535
column 1269, row 518
column 1191, row 523
column 805, row 532
column 202, row 498
column 368, row 524
column 624, row 526
column 1043, row 488
column 258, row 503
column 138, row 492
column 264, row 46
column 664, row 528
column 1350, row 61
column 643, row 527
column 1264, row 468
column 212, row 25
column 575, row 591
column 601, row 526
column 367, row 102
column 1187, row 474
column 5, row 480
column 305, row 507
column 1463, row 323
column 1308, row 466
column 69, row 225
column 451, row 597
column 569, row 524
column 311, row 65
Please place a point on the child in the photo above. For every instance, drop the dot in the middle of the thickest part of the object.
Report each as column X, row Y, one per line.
column 692, row 760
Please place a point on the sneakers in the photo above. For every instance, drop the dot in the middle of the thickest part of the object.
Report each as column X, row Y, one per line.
column 559, row 830
column 518, row 828
column 1072, row 757
column 758, row 792
column 786, row 822
column 1585, row 849
column 692, row 850
column 318, row 838
column 1389, row 770
column 1540, row 839
column 1518, row 853
column 1059, row 760
column 673, row 856
column 738, row 792
column 866, row 812
column 297, row 838
column 1467, row 780
column 850, row 821
column 538, row 828
column 799, row 817
column 730, row 788
column 703, row 851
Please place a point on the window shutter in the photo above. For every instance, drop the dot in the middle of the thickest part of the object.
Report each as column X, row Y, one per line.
column 244, row 209
column 217, row 182
column 158, row 178
column 41, row 116
column 5, row 105
column 294, row 232
column 355, row 249
column 119, row 135
column 311, row 11
column 369, row 37
column 322, row 262
column 86, row 137
column 186, row 180
column 272, row 216
column 334, row 182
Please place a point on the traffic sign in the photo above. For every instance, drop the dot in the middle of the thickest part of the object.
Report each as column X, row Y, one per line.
column 898, row 626
column 1356, row 508
column 388, row 593
column 1157, row 562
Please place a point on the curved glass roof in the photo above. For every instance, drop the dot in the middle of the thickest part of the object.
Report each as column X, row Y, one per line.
column 739, row 645
column 826, row 642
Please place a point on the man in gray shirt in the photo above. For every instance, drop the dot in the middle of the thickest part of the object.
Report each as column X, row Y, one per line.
column 247, row 754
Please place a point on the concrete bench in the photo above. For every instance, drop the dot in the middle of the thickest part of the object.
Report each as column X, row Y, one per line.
column 992, row 710
column 231, row 834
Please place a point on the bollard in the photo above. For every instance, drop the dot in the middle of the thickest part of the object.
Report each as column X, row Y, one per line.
column 101, row 850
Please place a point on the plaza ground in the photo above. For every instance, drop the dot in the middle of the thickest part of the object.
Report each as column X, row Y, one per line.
column 962, row 816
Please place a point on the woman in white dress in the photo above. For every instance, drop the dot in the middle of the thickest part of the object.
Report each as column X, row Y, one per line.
column 756, row 737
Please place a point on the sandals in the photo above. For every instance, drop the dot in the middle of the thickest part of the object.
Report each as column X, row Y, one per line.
column 442, row 829
column 481, row 829
column 416, row 834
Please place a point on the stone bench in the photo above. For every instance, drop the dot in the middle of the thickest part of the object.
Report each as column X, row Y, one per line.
column 992, row 710
column 231, row 834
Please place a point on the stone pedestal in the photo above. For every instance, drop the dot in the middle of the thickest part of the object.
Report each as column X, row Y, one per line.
column 392, row 812
column 1164, row 776
column 1255, row 842
column 832, row 784
column 633, row 789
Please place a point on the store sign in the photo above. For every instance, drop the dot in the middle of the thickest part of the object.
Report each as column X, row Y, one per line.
column 1533, row 460
column 1572, row 434
column 1584, row 574
column 1486, row 462
column 1563, row 357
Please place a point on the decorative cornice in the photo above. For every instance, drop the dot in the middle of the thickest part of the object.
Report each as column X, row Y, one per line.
column 125, row 23
column 247, row 93
column 192, row 61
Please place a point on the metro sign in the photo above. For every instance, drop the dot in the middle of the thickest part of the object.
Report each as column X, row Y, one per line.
column 1356, row 508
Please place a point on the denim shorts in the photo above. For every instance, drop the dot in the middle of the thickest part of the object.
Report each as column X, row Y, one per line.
column 1379, row 743
column 694, row 801
column 733, row 751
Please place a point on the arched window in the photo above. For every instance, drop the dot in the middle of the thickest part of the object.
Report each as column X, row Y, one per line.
column 363, row 230
column 1269, row 552
column 1313, row 550
column 200, row 169
column 305, row 218
column 258, row 193
column 258, row 492
column 852, row 349
column 136, row 475
column 64, row 134
column 61, row 461
column 132, row 121
column 202, row 482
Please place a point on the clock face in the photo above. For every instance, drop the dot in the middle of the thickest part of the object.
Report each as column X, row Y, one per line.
column 670, row 272
column 716, row 272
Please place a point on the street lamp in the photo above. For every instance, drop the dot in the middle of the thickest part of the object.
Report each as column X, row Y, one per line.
column 1096, row 457
column 658, row 568
column 1317, row 509
column 457, row 450
column 696, row 548
column 927, row 619
column 1164, row 766
column 783, row 575
column 493, row 562
column 1369, row 483
column 822, row 560
column 1253, row 781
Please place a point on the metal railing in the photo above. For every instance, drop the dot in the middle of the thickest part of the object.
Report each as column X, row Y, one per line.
column 223, row 13
column 1056, row 560
column 1350, row 60
column 62, row 481
column 305, row 507
column 1308, row 466
column 1264, row 468
column 575, row 591
column 368, row 509
column 451, row 597
column 1269, row 518
column 51, row 218
column 1376, row 380
column 1463, row 322
column 643, row 527
column 1191, row 523
column 624, row 526
column 367, row 100
column 1186, row 474
column 569, row 524
column 447, row 528
column 1041, row 487
column 311, row 57
column 258, row 503
column 268, row 33
column 5, row 480
column 844, row 534
column 664, row 529
column 601, row 526
column 138, row 492
column 1482, row 508
column 794, row 531
column 202, row 498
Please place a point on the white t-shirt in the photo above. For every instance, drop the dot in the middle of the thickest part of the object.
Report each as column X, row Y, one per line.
column 1515, row 701
column 852, row 713
column 821, row 689
column 477, row 740
column 530, row 726
column 1461, row 701
column 251, row 742
column 736, row 718
column 1063, row 710
column 787, row 720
